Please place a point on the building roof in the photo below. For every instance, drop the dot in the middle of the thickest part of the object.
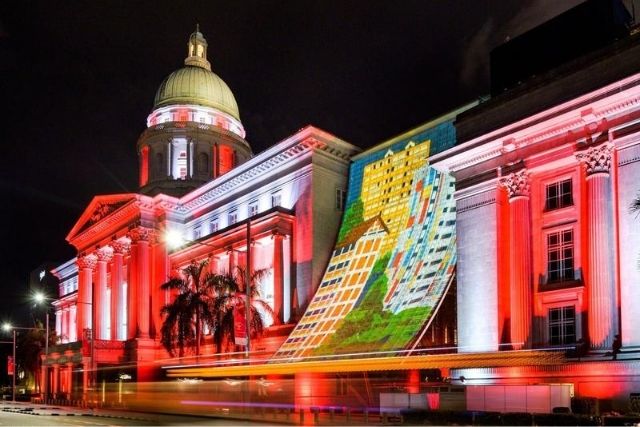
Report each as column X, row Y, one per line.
column 358, row 231
column 195, row 83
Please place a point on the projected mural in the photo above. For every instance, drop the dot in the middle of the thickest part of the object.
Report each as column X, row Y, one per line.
column 394, row 258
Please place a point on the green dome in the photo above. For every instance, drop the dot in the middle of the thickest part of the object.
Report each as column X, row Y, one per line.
column 195, row 85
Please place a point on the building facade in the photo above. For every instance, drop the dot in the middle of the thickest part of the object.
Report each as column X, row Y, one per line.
column 198, row 179
column 547, row 178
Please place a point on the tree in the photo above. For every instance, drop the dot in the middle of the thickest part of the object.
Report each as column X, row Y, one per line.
column 31, row 346
column 190, row 310
column 230, row 293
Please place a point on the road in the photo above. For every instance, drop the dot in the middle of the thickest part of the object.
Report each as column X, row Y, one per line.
column 23, row 414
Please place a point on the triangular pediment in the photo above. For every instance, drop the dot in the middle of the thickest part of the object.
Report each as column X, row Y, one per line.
column 100, row 208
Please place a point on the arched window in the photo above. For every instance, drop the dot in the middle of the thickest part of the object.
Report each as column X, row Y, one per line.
column 203, row 164
column 225, row 159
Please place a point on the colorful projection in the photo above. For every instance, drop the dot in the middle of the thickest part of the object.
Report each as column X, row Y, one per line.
column 395, row 255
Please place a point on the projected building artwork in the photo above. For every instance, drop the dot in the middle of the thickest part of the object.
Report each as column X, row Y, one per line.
column 395, row 254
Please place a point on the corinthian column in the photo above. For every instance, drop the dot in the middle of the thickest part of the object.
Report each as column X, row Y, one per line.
column 86, row 264
column 118, row 298
column 142, row 236
column 278, row 277
column 103, row 306
column 520, row 277
column 602, row 315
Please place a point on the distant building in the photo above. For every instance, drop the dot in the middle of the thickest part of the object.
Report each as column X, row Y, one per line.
column 198, row 178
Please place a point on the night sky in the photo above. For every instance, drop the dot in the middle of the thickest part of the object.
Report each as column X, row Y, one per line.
column 78, row 78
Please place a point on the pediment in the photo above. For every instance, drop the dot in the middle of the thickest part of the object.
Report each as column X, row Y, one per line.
column 100, row 208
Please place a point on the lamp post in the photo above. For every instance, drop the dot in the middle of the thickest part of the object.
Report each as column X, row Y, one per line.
column 40, row 298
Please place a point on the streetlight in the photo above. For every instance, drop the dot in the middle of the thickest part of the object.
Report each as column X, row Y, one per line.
column 40, row 298
column 8, row 327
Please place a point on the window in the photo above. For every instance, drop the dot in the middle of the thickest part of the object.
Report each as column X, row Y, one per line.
column 341, row 197
column 560, row 256
column 253, row 208
column 197, row 232
column 559, row 195
column 276, row 199
column 213, row 225
column 233, row 217
column 562, row 325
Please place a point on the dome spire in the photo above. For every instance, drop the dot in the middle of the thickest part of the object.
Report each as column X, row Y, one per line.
column 197, row 50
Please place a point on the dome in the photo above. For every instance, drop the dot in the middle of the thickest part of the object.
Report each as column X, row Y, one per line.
column 195, row 85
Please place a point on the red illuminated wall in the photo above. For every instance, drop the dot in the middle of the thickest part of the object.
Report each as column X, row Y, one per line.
column 225, row 159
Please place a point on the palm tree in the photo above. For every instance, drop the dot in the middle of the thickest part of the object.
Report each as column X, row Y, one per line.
column 230, row 292
column 191, row 309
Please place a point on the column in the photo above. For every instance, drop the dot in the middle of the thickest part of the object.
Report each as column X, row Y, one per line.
column 278, row 277
column 602, row 316
column 132, row 288
column 232, row 261
column 86, row 264
column 120, row 248
column 55, row 387
column 100, row 300
column 520, row 264
column 73, row 324
column 59, row 323
column 65, row 327
column 69, row 379
column 86, row 368
column 142, row 236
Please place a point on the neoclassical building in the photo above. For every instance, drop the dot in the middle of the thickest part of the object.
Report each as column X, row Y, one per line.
column 200, row 179
column 548, row 241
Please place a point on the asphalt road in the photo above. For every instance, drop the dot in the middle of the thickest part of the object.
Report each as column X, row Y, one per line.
column 42, row 415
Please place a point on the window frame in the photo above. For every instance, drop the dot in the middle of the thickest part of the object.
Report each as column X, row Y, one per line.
column 561, row 246
column 559, row 197
column 562, row 323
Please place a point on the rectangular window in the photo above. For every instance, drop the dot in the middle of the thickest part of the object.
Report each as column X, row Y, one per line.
column 562, row 325
column 559, row 195
column 276, row 199
column 213, row 225
column 560, row 256
column 341, row 198
column 233, row 217
column 253, row 208
column 197, row 232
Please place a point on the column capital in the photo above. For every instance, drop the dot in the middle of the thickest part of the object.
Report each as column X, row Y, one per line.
column 121, row 246
column 596, row 159
column 104, row 254
column 87, row 261
column 143, row 234
column 277, row 234
column 517, row 184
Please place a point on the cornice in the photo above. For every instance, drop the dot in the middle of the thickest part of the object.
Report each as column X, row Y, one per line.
column 585, row 114
column 107, row 225
column 304, row 143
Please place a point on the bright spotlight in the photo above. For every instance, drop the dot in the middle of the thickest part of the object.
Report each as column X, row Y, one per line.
column 173, row 238
column 6, row 327
column 39, row 297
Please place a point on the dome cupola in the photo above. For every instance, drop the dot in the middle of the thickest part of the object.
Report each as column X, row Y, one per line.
column 194, row 131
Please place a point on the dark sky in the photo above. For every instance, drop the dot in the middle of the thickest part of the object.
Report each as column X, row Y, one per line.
column 78, row 78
